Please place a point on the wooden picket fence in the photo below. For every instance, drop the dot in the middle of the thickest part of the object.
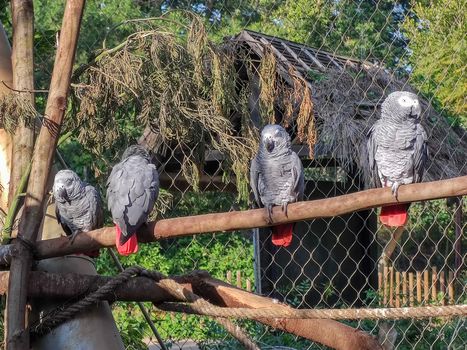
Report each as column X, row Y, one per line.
column 426, row 287
column 238, row 283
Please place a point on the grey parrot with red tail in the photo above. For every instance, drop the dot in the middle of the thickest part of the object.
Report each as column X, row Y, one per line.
column 276, row 178
column 78, row 205
column 132, row 189
column 397, row 150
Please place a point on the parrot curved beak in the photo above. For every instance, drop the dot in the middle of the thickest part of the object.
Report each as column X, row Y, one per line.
column 415, row 110
column 269, row 144
column 62, row 192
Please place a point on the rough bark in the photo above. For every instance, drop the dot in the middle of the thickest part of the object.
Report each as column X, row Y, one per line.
column 6, row 75
column 23, row 80
column 17, row 337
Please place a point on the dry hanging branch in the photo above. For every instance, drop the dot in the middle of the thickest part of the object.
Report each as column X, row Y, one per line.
column 181, row 86
column 16, row 336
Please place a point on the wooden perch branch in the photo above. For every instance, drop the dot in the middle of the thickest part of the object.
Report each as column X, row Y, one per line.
column 16, row 336
column 70, row 285
column 185, row 226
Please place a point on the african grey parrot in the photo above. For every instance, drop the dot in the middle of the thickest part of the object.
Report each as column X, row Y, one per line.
column 397, row 147
column 132, row 189
column 78, row 205
column 276, row 177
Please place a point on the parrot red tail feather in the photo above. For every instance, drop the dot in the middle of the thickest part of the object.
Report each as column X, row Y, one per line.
column 282, row 234
column 394, row 215
column 127, row 248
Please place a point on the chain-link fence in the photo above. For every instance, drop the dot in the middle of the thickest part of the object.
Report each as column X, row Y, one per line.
column 194, row 82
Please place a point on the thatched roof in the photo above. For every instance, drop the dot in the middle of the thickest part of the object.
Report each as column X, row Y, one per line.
column 346, row 95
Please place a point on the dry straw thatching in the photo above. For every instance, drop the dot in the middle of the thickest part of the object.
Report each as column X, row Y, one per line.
column 345, row 97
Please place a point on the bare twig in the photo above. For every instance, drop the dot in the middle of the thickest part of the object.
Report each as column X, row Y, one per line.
column 23, row 90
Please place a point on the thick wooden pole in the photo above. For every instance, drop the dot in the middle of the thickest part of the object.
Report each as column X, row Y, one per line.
column 17, row 337
column 23, row 80
column 6, row 74
column 241, row 220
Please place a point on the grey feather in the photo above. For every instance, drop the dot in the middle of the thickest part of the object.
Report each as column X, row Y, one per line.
column 397, row 143
column 276, row 173
column 132, row 189
column 78, row 205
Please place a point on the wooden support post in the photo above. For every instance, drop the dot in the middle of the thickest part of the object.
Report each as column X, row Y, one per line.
column 442, row 287
column 419, row 287
column 411, row 289
column 385, row 285
column 248, row 285
column 458, row 242
column 229, row 276
column 434, row 280
column 391, row 286
column 404, row 288
column 17, row 337
column 239, row 279
column 451, row 287
column 392, row 244
column 22, row 12
column 398, row 289
column 380, row 284
column 426, row 286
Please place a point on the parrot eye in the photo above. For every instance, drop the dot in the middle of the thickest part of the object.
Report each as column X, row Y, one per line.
column 68, row 181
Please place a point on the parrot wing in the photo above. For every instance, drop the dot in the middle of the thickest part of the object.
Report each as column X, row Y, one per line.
column 95, row 206
column 298, row 176
column 372, row 147
column 420, row 153
column 133, row 186
column 254, row 180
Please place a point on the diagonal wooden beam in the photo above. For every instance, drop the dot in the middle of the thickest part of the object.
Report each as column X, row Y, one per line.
column 16, row 335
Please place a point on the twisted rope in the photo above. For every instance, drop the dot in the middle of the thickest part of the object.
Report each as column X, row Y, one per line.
column 102, row 293
column 201, row 307
column 179, row 292
column 172, row 287
column 238, row 333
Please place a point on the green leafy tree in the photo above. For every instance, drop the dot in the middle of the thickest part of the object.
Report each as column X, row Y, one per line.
column 439, row 52
column 361, row 29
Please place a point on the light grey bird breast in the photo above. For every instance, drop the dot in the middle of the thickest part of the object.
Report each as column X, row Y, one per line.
column 278, row 179
column 276, row 172
column 82, row 213
column 133, row 187
column 397, row 143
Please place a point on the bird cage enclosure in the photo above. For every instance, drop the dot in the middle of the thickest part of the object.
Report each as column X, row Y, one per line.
column 194, row 83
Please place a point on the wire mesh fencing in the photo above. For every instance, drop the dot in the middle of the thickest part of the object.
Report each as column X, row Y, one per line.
column 195, row 81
